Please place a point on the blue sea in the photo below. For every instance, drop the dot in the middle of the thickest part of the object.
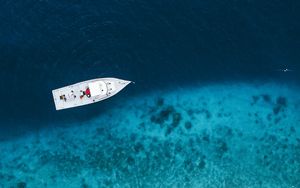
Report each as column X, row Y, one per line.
column 215, row 102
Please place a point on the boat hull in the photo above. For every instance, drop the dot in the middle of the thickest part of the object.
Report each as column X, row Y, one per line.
column 87, row 92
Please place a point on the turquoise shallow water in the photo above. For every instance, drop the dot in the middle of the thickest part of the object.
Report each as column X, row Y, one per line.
column 225, row 135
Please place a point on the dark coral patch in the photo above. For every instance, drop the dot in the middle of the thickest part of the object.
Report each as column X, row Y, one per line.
column 277, row 120
column 266, row 98
column 281, row 101
column 269, row 117
column 276, row 109
column 160, row 102
column 190, row 112
column 21, row 185
column 292, row 129
column 188, row 125
column 169, row 130
column 201, row 163
column 206, row 112
column 133, row 137
column 176, row 119
column 205, row 137
column 138, row 147
column 130, row 160
column 142, row 126
column 167, row 118
column 163, row 115
column 84, row 185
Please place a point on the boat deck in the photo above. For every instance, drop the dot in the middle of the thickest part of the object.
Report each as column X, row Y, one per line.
column 102, row 88
column 70, row 96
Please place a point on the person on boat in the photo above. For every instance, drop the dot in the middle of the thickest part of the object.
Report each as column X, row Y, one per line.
column 82, row 94
column 63, row 97
column 72, row 94
column 88, row 92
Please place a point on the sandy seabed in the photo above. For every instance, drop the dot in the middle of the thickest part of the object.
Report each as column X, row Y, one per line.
column 226, row 135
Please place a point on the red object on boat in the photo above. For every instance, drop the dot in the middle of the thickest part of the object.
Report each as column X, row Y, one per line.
column 87, row 91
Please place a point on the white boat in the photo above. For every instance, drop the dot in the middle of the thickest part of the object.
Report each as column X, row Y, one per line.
column 87, row 92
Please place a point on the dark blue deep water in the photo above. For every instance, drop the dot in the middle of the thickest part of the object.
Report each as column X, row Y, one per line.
column 48, row 44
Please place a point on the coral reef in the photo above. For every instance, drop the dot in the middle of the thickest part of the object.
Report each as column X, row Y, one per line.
column 222, row 141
